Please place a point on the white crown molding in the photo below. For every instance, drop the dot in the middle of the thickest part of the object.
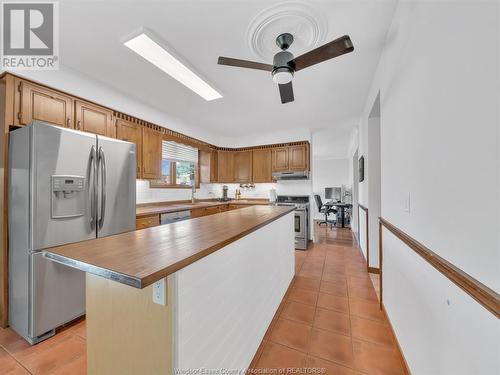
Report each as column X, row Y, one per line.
column 308, row 26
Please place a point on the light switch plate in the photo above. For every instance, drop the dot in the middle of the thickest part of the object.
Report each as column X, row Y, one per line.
column 159, row 292
column 407, row 204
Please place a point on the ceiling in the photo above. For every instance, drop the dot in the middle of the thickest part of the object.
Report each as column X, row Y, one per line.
column 330, row 94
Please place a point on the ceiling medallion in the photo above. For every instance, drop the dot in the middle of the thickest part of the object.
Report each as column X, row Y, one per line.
column 308, row 27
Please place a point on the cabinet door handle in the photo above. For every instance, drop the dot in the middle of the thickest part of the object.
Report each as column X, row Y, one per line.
column 78, row 124
column 67, row 122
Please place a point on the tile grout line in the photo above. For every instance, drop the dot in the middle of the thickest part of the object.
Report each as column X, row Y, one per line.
column 314, row 317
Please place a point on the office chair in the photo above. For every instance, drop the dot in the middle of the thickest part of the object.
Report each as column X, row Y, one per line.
column 325, row 210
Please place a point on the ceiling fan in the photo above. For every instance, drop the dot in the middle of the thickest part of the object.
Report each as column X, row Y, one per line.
column 285, row 64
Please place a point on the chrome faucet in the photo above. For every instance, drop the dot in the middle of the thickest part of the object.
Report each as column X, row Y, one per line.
column 193, row 188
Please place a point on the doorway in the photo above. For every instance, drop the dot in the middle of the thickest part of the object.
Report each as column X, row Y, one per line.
column 374, row 172
column 355, row 194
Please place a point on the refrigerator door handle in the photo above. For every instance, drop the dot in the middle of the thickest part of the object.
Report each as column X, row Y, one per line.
column 91, row 187
column 102, row 164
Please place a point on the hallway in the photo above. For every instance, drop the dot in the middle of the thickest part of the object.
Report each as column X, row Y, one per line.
column 330, row 317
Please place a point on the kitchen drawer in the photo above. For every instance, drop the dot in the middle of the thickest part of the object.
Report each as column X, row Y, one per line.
column 212, row 210
column 198, row 212
column 147, row 221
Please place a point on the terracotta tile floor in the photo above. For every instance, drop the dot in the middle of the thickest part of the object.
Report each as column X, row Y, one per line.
column 329, row 319
column 65, row 353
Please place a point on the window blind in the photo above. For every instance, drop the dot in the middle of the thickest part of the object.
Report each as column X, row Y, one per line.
column 178, row 152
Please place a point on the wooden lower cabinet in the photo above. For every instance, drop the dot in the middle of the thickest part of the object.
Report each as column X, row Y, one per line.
column 199, row 212
column 33, row 102
column 147, row 221
column 262, row 165
column 151, row 154
column 130, row 132
column 93, row 118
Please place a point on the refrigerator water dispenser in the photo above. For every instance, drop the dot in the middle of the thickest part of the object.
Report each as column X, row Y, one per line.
column 68, row 196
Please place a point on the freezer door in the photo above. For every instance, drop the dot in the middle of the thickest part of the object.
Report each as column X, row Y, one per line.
column 115, row 186
column 62, row 174
column 58, row 294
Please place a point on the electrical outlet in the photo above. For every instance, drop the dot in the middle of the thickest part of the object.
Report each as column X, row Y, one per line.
column 159, row 292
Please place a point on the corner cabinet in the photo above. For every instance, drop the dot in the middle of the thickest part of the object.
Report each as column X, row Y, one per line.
column 262, row 165
column 151, row 154
column 33, row 102
column 130, row 132
column 243, row 166
column 94, row 119
column 208, row 166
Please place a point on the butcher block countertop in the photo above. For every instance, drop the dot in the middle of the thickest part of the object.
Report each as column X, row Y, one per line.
column 166, row 207
column 142, row 257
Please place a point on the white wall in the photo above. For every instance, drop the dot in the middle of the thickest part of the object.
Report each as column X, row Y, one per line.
column 440, row 145
column 282, row 136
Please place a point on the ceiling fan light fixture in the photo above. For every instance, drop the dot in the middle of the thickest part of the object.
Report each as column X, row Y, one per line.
column 282, row 75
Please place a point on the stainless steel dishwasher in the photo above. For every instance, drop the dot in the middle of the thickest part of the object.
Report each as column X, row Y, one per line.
column 173, row 217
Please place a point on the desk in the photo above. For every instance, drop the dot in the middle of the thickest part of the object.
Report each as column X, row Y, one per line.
column 341, row 207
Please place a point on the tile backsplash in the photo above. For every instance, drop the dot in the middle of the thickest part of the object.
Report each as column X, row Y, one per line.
column 145, row 194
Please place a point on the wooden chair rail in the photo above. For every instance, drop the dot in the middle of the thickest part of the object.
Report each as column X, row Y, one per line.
column 487, row 297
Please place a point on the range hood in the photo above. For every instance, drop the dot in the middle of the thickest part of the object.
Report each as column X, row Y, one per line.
column 295, row 175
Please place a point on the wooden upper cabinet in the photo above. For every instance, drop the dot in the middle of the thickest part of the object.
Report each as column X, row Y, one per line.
column 280, row 159
column 298, row 157
column 130, row 132
column 208, row 166
column 94, row 119
column 151, row 154
column 243, row 166
column 225, row 166
column 33, row 102
column 214, row 166
column 262, row 165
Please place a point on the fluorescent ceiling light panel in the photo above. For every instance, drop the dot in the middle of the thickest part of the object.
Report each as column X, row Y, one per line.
column 146, row 47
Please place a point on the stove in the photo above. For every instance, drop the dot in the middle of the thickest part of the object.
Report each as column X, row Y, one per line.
column 301, row 220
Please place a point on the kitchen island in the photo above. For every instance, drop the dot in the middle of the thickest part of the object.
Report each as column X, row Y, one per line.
column 189, row 295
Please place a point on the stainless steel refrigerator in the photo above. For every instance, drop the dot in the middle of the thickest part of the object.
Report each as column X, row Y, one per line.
column 64, row 186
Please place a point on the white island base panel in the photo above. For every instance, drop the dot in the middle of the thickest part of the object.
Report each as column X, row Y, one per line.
column 223, row 303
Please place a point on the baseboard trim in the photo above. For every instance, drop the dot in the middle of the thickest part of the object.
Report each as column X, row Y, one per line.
column 374, row 270
column 406, row 368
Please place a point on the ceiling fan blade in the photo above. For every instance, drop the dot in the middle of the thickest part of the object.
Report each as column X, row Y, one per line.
column 244, row 63
column 327, row 51
column 286, row 92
